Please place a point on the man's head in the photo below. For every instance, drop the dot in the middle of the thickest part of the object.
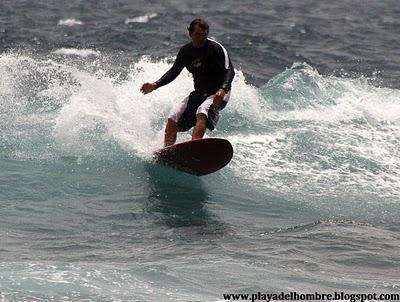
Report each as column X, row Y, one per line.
column 198, row 31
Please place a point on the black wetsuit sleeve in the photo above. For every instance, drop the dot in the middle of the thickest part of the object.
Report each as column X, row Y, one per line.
column 226, row 65
column 229, row 75
column 173, row 72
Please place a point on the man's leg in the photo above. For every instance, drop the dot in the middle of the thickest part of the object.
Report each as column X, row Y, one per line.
column 171, row 130
column 200, row 127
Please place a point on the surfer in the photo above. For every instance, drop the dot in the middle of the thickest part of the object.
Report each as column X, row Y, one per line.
column 212, row 71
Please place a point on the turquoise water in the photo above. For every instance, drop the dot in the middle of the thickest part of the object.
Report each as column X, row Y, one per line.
column 309, row 202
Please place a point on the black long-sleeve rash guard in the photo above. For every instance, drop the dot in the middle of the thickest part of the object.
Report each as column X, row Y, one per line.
column 210, row 65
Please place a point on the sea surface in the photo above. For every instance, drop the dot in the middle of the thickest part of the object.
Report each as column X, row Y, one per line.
column 309, row 203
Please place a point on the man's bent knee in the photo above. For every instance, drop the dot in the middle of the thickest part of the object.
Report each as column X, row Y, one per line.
column 201, row 118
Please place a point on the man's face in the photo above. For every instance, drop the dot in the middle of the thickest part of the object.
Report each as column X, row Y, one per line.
column 199, row 36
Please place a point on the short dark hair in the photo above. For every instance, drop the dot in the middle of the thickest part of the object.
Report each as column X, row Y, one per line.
column 200, row 22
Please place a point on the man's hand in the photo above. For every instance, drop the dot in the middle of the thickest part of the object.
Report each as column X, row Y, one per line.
column 148, row 87
column 219, row 97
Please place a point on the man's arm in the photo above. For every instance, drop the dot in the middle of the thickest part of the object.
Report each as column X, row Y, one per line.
column 229, row 74
column 174, row 71
column 168, row 77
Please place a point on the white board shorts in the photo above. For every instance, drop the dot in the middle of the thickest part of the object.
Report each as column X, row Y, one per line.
column 185, row 113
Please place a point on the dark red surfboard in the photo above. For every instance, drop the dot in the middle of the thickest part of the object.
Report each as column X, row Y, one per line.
column 198, row 157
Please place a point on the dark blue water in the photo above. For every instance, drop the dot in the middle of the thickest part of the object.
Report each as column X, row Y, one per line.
column 310, row 201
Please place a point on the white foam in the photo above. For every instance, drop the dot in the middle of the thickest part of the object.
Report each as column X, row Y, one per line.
column 141, row 19
column 330, row 99
column 271, row 161
column 6, row 83
column 69, row 22
column 135, row 121
column 77, row 52
column 348, row 143
column 246, row 100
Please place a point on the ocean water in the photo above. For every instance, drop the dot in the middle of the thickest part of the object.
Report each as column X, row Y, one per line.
column 310, row 202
